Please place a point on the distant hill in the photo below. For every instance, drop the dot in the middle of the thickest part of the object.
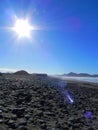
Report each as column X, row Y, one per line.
column 72, row 74
column 21, row 72
column 95, row 75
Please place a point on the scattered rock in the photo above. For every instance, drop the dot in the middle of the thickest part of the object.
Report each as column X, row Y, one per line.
column 37, row 103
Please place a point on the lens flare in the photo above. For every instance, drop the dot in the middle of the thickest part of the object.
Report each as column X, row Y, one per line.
column 69, row 98
column 65, row 93
column 88, row 114
column 62, row 84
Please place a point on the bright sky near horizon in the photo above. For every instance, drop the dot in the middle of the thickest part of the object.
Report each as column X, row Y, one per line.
column 66, row 39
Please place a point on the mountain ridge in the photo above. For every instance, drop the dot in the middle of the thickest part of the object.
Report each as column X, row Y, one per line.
column 73, row 74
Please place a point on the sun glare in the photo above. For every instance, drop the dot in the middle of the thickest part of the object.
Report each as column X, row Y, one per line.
column 22, row 28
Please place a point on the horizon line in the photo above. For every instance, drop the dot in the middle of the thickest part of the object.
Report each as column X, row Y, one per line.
column 11, row 70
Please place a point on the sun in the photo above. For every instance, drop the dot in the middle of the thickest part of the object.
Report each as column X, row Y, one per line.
column 22, row 28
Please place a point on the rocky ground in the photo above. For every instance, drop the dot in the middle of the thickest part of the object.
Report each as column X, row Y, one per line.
column 36, row 104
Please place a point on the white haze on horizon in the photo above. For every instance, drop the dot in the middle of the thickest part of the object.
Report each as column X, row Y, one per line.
column 86, row 79
column 7, row 70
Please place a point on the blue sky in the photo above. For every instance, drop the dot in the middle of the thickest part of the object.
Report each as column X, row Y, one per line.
column 67, row 41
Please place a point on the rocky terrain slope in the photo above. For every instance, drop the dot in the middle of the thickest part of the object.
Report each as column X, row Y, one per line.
column 37, row 104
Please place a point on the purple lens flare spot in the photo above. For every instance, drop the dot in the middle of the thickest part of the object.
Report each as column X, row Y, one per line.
column 88, row 114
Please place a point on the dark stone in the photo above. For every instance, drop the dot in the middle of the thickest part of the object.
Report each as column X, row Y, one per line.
column 18, row 111
column 27, row 116
column 44, row 126
column 14, row 117
column 19, row 101
column 22, row 122
column 11, row 124
column 22, row 128
column 1, row 116
column 28, row 98
column 90, row 129
column 15, row 110
column 3, row 128
column 0, row 74
column 1, row 121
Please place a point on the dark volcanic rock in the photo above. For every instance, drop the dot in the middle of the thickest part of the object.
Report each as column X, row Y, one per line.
column 44, row 126
column 3, row 128
column 19, row 112
column 1, row 116
column 37, row 104
column 22, row 122
column 0, row 74
column 1, row 121
column 22, row 128
column 90, row 129
column 28, row 97
column 11, row 124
